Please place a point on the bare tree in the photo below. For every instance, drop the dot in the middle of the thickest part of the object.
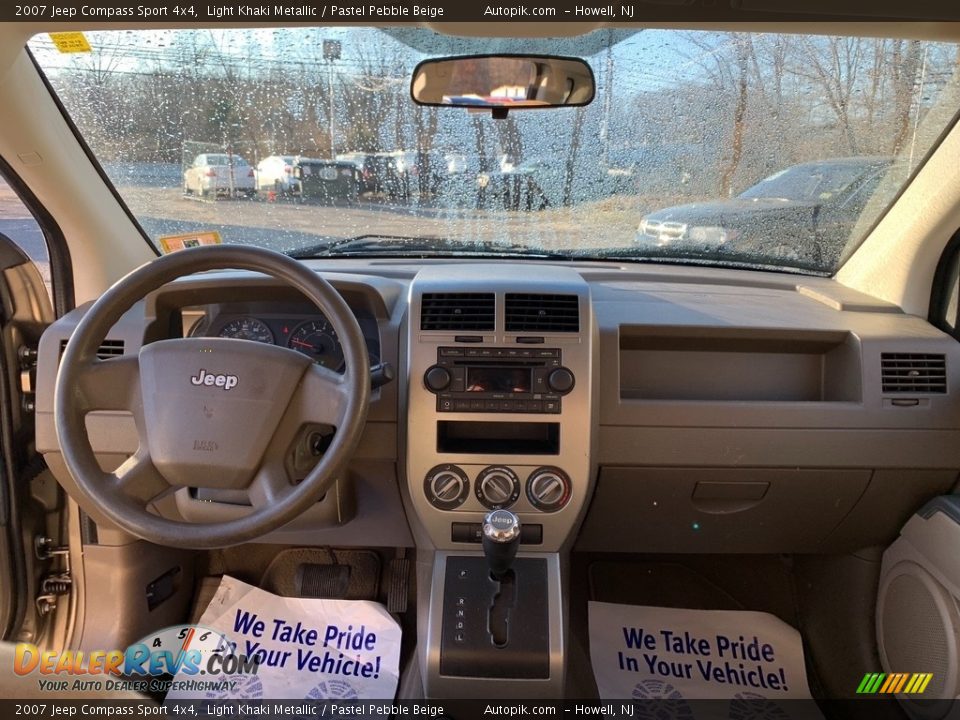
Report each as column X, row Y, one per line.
column 367, row 96
column 725, row 59
column 511, row 141
column 743, row 50
column 425, row 122
column 834, row 64
column 905, row 70
column 573, row 150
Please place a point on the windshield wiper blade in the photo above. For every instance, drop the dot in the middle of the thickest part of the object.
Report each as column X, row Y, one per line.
column 361, row 243
column 420, row 246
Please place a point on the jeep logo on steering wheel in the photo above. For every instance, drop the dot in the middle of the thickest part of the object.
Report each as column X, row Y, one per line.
column 226, row 382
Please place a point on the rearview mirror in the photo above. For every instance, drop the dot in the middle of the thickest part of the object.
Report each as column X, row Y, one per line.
column 503, row 82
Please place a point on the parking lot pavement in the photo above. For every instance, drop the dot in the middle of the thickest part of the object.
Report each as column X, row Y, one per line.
column 25, row 233
column 287, row 225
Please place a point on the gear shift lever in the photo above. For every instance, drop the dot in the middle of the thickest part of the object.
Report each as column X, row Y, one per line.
column 501, row 538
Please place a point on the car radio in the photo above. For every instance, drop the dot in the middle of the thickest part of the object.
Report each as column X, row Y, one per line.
column 499, row 380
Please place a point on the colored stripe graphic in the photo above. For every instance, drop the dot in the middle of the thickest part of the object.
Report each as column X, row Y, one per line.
column 914, row 683
column 875, row 685
column 891, row 680
column 894, row 683
column 903, row 681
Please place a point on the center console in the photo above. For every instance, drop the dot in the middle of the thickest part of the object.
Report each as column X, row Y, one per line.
column 500, row 416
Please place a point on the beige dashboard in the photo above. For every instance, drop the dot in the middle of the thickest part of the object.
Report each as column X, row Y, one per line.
column 712, row 411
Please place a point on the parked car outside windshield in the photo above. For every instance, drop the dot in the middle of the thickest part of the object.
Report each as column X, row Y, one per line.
column 677, row 129
column 277, row 173
column 806, row 211
column 219, row 175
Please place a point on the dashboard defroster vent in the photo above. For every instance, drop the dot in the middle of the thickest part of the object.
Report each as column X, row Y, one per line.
column 532, row 312
column 457, row 311
column 913, row 373
column 108, row 348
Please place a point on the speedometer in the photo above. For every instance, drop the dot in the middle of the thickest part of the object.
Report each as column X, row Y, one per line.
column 247, row 328
column 318, row 340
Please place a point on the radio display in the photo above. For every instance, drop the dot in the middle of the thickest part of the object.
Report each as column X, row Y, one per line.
column 498, row 379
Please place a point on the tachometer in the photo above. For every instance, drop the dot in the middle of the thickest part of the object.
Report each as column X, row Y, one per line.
column 318, row 340
column 247, row 328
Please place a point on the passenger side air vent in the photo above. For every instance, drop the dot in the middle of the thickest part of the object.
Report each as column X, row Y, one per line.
column 528, row 312
column 457, row 311
column 913, row 373
column 108, row 349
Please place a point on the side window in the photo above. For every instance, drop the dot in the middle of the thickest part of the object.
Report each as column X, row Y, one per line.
column 19, row 225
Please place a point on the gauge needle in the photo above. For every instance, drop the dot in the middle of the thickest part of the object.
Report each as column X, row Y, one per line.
column 183, row 648
column 303, row 344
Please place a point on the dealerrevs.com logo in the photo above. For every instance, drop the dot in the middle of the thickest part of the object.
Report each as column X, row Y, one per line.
column 200, row 659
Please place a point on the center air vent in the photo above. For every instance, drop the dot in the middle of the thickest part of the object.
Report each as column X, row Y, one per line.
column 529, row 312
column 457, row 311
column 107, row 349
column 913, row 373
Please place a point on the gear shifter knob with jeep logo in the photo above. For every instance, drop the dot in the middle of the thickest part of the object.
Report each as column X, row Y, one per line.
column 501, row 538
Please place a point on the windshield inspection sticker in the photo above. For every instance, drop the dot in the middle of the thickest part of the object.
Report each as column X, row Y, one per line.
column 651, row 653
column 70, row 42
column 172, row 243
column 304, row 648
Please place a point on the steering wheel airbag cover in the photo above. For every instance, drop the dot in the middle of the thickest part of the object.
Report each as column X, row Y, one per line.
column 213, row 404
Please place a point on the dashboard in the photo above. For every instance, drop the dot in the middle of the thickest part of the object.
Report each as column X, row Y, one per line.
column 773, row 413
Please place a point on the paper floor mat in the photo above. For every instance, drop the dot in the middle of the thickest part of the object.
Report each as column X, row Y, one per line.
column 640, row 653
column 306, row 648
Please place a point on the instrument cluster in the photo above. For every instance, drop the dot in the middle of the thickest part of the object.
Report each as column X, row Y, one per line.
column 313, row 335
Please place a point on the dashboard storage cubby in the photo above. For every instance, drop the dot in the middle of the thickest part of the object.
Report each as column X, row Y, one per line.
column 738, row 364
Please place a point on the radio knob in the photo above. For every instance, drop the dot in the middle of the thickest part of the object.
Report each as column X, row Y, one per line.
column 437, row 378
column 560, row 380
column 548, row 489
column 497, row 487
column 446, row 487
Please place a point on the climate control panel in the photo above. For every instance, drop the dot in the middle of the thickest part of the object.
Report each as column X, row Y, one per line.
column 533, row 489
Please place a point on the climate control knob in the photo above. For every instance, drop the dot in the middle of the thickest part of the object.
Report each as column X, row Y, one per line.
column 437, row 378
column 497, row 487
column 548, row 489
column 561, row 380
column 446, row 487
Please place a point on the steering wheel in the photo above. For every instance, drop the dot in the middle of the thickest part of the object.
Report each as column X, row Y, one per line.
column 210, row 412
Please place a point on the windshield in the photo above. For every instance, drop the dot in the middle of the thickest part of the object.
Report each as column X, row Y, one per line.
column 237, row 131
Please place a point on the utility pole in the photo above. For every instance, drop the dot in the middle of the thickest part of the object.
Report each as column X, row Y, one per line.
column 607, row 101
column 331, row 52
